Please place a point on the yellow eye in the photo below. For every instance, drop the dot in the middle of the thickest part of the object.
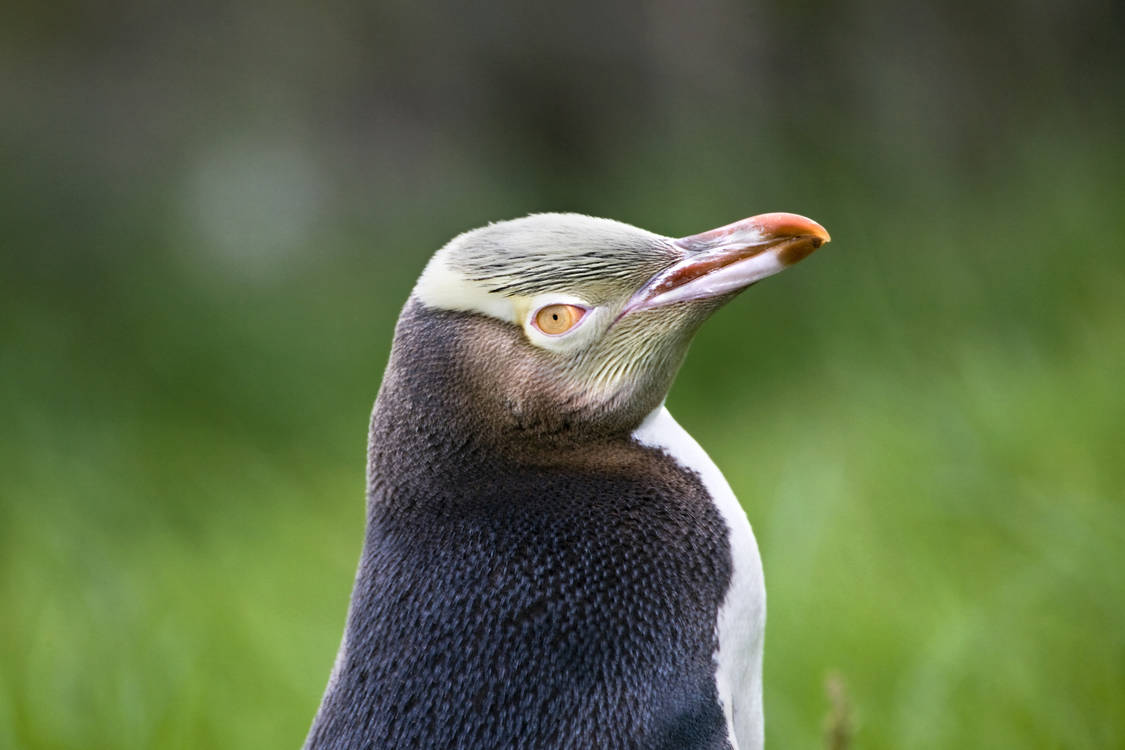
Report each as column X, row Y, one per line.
column 556, row 319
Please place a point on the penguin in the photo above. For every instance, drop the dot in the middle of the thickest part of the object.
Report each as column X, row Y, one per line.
column 550, row 560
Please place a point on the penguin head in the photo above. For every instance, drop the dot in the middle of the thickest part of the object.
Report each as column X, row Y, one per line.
column 564, row 323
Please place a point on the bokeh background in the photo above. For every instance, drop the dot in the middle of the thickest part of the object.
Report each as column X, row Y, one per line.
column 212, row 213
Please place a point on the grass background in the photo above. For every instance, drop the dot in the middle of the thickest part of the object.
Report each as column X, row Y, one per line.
column 924, row 421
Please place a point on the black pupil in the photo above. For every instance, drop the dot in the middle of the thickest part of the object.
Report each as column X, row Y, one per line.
column 555, row 316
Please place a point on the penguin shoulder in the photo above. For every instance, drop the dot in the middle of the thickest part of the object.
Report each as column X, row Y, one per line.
column 741, row 620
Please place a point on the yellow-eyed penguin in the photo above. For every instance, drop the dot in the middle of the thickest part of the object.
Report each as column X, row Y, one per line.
column 550, row 560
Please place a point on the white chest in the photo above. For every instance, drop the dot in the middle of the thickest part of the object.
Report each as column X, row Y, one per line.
column 742, row 617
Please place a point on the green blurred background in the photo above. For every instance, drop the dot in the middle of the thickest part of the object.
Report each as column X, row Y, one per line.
column 212, row 213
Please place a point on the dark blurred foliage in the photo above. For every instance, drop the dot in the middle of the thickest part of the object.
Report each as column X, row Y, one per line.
column 366, row 108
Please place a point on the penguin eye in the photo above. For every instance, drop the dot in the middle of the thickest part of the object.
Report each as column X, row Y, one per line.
column 557, row 319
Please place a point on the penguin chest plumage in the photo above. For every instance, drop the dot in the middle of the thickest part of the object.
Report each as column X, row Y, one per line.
column 741, row 620
column 535, row 607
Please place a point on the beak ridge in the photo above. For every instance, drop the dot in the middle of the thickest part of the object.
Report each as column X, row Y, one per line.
column 758, row 231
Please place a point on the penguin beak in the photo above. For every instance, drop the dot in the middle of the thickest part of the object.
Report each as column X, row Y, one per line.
column 728, row 259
